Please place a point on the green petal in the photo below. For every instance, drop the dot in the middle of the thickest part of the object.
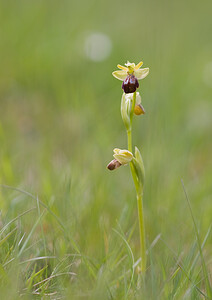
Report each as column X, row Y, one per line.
column 141, row 73
column 138, row 65
column 122, row 68
column 121, row 75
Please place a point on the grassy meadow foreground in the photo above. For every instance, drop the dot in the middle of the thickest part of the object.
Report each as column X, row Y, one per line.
column 69, row 227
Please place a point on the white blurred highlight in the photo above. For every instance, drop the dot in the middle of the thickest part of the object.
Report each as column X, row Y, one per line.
column 98, row 46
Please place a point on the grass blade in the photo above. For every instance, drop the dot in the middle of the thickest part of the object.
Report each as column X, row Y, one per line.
column 208, row 286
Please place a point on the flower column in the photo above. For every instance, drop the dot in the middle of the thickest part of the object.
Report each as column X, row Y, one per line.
column 130, row 105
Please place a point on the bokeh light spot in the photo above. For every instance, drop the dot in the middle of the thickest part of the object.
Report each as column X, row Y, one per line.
column 98, row 46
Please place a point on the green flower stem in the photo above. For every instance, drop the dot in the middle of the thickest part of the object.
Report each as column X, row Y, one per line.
column 139, row 191
column 142, row 231
column 129, row 139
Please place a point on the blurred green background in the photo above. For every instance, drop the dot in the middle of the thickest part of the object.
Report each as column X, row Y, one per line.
column 60, row 117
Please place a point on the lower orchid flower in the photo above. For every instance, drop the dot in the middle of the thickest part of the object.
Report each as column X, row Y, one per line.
column 121, row 157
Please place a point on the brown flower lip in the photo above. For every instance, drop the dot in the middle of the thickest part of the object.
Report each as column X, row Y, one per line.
column 130, row 84
column 114, row 164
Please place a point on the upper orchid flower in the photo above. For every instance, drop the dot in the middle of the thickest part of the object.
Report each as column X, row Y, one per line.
column 130, row 76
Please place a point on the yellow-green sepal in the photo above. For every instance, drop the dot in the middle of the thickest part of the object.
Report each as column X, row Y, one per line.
column 141, row 73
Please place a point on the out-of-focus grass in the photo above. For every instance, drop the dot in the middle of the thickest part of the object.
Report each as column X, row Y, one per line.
column 60, row 120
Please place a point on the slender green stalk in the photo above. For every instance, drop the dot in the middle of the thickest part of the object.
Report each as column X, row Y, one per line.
column 139, row 191
column 142, row 231
column 129, row 139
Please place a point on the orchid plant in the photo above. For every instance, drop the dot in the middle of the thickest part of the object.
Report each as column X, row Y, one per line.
column 130, row 106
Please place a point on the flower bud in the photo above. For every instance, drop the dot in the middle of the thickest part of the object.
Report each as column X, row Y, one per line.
column 125, row 110
column 139, row 110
